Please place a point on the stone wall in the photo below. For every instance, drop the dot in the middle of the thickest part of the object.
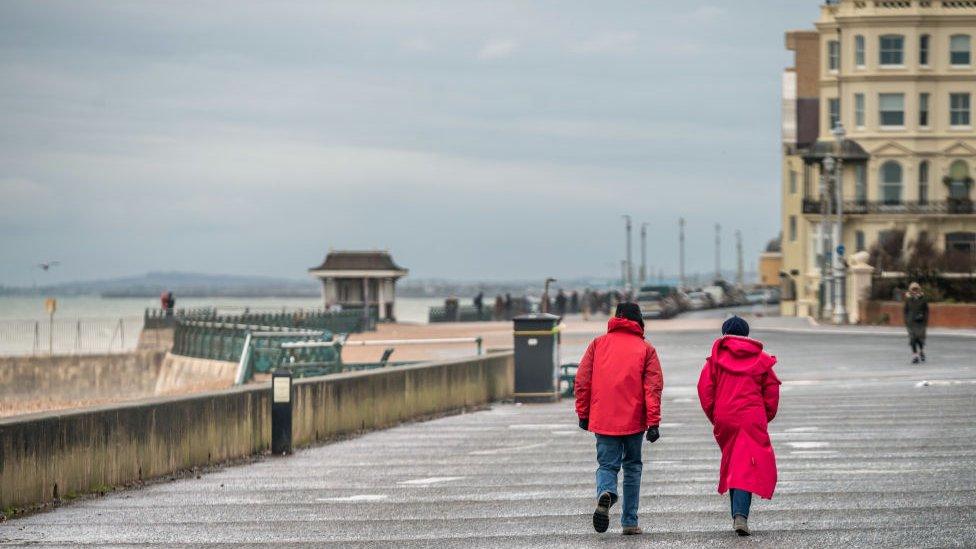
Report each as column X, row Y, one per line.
column 44, row 457
column 941, row 315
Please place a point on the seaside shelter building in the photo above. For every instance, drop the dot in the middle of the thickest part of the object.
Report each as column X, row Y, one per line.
column 359, row 279
column 900, row 77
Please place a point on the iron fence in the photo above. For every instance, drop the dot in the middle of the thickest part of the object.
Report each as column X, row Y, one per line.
column 952, row 206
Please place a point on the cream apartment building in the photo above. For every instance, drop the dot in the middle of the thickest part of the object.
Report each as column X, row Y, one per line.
column 899, row 75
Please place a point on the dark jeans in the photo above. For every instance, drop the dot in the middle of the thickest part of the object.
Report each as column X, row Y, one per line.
column 741, row 500
column 611, row 453
column 916, row 343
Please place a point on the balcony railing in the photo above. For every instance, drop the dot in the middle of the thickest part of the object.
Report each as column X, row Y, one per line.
column 952, row 206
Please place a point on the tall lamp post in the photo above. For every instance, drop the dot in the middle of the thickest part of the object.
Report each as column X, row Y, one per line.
column 643, row 268
column 840, row 276
column 629, row 271
column 826, row 273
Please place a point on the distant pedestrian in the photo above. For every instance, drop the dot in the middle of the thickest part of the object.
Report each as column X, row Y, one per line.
column 479, row 303
column 170, row 303
column 739, row 393
column 618, row 398
column 916, row 320
column 587, row 304
column 508, row 307
column 561, row 302
column 499, row 313
column 574, row 302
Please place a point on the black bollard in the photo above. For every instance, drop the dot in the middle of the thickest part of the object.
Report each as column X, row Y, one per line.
column 281, row 394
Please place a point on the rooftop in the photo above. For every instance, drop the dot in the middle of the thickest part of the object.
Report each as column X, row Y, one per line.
column 359, row 260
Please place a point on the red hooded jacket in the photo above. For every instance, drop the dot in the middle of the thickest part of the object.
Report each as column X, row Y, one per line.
column 739, row 393
column 619, row 381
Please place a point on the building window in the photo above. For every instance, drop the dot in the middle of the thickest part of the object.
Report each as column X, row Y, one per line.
column 923, row 110
column 959, row 180
column 833, row 110
column 859, row 110
column 792, row 181
column 892, row 109
column 859, row 50
column 960, row 242
column 833, row 55
column 923, row 50
column 859, row 241
column 923, row 182
column 959, row 50
column 959, row 109
column 891, row 182
column 892, row 51
column 860, row 183
column 792, row 228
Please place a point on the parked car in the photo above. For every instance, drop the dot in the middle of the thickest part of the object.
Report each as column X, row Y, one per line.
column 660, row 301
column 698, row 301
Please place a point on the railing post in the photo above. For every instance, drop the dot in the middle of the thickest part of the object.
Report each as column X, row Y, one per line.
column 478, row 342
column 37, row 336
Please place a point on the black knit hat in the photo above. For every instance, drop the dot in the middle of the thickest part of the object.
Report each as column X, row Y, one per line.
column 630, row 311
column 735, row 326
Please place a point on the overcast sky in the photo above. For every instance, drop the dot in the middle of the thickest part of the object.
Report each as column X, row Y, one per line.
column 475, row 140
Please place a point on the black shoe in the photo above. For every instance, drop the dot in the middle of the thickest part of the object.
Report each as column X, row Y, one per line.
column 601, row 517
column 922, row 356
column 914, row 360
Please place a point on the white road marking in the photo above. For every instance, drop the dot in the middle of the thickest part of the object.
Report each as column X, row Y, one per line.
column 806, row 445
column 814, row 453
column 802, row 429
column 427, row 481
column 532, row 426
column 360, row 497
column 506, row 450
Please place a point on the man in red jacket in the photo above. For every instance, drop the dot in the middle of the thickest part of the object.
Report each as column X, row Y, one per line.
column 618, row 398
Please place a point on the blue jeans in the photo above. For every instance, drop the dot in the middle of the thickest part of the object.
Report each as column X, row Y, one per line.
column 611, row 453
column 741, row 500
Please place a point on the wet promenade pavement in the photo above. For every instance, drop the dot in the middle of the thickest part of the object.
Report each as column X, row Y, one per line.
column 869, row 455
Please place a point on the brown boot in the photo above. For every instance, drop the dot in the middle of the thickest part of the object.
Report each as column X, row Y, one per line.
column 632, row 531
column 741, row 525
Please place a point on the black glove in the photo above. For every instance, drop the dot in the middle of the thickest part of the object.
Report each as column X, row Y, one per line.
column 585, row 424
column 652, row 434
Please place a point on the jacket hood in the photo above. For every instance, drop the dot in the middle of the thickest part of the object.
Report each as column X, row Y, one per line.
column 618, row 324
column 741, row 355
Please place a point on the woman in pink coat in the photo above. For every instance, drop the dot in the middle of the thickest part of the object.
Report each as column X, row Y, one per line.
column 739, row 393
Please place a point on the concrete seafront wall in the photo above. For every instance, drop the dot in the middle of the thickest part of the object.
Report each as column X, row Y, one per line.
column 50, row 456
column 78, row 377
column 941, row 315
column 36, row 383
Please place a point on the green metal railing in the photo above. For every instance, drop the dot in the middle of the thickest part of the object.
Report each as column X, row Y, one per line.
column 465, row 313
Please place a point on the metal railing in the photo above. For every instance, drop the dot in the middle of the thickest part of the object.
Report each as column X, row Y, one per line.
column 69, row 336
column 464, row 313
column 952, row 206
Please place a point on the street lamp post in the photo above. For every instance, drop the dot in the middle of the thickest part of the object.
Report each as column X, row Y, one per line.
column 840, row 276
column 629, row 272
column 643, row 268
column 826, row 273
column 681, row 253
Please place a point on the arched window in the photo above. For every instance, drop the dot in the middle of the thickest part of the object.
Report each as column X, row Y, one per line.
column 923, row 182
column 891, row 182
column 959, row 180
column 959, row 47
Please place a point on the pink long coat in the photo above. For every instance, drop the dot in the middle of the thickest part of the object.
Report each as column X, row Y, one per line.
column 739, row 393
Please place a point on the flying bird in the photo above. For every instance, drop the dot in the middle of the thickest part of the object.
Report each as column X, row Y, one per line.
column 46, row 266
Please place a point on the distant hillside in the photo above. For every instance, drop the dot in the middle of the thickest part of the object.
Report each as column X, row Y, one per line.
column 182, row 284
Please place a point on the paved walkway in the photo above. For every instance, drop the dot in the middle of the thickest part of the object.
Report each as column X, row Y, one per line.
column 869, row 456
